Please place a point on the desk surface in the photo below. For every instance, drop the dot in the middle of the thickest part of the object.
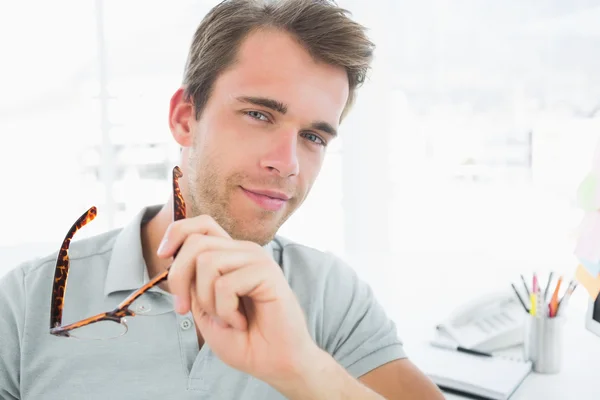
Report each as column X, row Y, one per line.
column 580, row 375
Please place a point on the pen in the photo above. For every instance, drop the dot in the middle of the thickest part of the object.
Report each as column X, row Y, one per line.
column 519, row 297
column 534, row 295
column 540, row 309
column 533, row 301
column 554, row 301
column 564, row 301
column 450, row 346
column 525, row 286
column 548, row 286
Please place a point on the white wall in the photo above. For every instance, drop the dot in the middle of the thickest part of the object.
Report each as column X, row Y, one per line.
column 385, row 200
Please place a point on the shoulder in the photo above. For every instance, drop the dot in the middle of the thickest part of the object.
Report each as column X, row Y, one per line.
column 342, row 311
column 303, row 262
column 41, row 267
column 318, row 277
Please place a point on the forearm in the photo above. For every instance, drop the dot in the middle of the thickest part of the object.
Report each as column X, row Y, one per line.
column 325, row 379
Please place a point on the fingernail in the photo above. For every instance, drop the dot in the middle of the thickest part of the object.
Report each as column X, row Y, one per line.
column 162, row 246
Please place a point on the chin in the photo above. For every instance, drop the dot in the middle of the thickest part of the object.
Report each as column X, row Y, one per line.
column 259, row 228
column 261, row 240
column 261, row 236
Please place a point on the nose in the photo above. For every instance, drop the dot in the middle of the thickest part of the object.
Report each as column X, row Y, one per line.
column 282, row 155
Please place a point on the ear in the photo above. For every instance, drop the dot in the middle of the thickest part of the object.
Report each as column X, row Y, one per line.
column 181, row 118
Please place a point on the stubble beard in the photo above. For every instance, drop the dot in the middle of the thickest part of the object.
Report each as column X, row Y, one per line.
column 209, row 195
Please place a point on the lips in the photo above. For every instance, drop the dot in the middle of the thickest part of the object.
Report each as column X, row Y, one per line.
column 267, row 199
column 270, row 193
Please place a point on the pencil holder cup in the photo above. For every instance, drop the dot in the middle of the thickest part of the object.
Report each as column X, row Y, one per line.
column 543, row 343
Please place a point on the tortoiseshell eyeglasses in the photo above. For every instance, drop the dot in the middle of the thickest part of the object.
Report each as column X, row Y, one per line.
column 109, row 324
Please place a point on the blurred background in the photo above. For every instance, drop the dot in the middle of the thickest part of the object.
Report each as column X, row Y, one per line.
column 457, row 168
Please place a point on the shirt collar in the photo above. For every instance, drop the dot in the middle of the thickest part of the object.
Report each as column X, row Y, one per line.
column 127, row 268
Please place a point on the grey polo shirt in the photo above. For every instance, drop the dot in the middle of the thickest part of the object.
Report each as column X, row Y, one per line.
column 159, row 357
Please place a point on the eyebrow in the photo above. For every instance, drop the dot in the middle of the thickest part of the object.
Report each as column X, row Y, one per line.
column 282, row 109
column 325, row 127
column 264, row 102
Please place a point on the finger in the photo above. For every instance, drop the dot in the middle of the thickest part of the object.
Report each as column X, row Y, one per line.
column 183, row 270
column 228, row 258
column 211, row 264
column 199, row 315
column 231, row 287
column 178, row 231
column 206, row 274
column 204, row 320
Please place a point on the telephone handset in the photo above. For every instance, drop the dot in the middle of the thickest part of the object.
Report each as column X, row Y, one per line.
column 488, row 323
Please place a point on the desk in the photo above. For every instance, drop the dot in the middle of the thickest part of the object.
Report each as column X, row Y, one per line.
column 579, row 378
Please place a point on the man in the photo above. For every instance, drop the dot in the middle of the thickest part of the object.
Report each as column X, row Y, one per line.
column 265, row 88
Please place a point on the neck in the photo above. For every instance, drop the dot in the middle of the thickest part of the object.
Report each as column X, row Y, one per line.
column 152, row 233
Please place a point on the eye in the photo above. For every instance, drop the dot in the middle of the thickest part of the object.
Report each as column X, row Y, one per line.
column 314, row 138
column 257, row 115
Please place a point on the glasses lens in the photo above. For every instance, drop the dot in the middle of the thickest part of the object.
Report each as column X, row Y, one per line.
column 101, row 330
column 151, row 304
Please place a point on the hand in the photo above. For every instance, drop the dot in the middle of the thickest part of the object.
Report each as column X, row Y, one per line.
column 240, row 300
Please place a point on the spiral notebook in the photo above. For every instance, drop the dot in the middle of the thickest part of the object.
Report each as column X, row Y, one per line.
column 494, row 378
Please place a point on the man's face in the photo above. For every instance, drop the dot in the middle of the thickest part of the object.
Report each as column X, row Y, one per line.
column 254, row 154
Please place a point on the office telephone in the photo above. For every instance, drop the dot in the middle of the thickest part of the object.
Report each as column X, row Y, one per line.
column 488, row 323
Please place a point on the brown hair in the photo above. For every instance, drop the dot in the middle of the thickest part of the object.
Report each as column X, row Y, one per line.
column 323, row 28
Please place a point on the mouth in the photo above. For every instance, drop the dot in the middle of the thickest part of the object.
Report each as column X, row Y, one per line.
column 267, row 199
